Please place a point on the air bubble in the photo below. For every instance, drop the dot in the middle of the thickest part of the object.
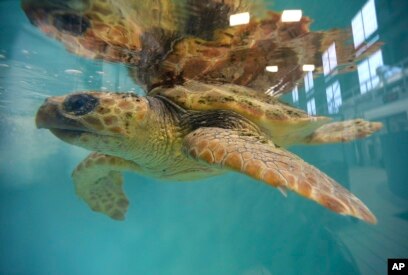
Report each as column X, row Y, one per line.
column 73, row 72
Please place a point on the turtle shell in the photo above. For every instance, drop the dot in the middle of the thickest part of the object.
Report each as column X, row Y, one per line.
column 285, row 124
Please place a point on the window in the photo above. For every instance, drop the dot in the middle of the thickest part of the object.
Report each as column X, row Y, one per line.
column 333, row 94
column 311, row 107
column 364, row 23
column 367, row 75
column 295, row 94
column 369, row 18
column 358, row 30
column 308, row 81
column 329, row 59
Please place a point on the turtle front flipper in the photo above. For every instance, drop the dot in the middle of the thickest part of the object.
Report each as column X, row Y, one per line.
column 257, row 157
column 98, row 181
column 343, row 131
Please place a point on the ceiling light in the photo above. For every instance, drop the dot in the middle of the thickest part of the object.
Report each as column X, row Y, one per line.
column 308, row 67
column 272, row 69
column 291, row 15
column 239, row 19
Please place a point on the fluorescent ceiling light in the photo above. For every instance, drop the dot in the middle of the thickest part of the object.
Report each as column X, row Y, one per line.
column 239, row 19
column 291, row 15
column 308, row 67
column 272, row 69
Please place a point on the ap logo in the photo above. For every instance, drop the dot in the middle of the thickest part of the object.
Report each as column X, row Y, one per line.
column 397, row 266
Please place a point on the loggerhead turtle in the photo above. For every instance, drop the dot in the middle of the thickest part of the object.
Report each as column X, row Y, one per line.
column 206, row 111
column 222, row 127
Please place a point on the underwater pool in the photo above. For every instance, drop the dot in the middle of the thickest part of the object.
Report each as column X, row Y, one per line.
column 226, row 224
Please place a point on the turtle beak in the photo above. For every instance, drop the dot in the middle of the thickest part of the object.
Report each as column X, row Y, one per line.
column 50, row 116
column 43, row 118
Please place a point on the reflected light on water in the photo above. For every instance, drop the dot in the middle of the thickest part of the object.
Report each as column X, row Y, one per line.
column 291, row 15
column 308, row 68
column 272, row 69
column 239, row 19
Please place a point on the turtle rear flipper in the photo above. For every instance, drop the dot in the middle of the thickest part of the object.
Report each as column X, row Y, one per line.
column 98, row 181
column 343, row 131
column 260, row 159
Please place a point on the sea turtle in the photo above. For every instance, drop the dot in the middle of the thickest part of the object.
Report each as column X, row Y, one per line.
column 210, row 107
column 192, row 131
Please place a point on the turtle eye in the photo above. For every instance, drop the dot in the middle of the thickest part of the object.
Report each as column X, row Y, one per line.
column 80, row 104
column 71, row 23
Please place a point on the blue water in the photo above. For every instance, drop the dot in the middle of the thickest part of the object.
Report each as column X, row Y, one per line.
column 229, row 224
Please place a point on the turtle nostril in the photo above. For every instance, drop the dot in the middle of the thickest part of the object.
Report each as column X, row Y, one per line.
column 71, row 23
column 80, row 104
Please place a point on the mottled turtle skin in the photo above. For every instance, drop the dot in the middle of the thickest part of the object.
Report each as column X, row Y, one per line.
column 206, row 111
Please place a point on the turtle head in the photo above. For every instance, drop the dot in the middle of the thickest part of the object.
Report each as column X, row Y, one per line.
column 58, row 16
column 103, row 122
column 89, row 28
